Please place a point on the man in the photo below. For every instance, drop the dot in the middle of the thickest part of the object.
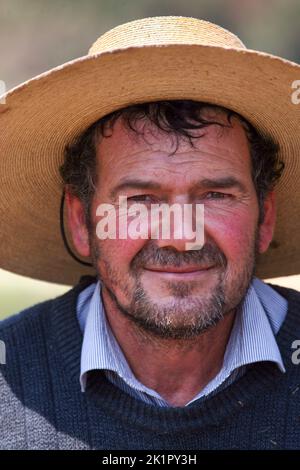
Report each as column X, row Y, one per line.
column 161, row 346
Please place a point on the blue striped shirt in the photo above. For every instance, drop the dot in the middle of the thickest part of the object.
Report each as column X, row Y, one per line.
column 252, row 339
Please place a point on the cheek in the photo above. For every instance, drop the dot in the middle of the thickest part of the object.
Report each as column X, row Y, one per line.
column 233, row 234
column 113, row 237
column 118, row 254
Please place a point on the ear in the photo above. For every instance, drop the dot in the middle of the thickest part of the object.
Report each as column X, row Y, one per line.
column 77, row 224
column 266, row 229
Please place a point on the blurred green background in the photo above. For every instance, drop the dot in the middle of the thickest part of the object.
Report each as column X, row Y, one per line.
column 36, row 35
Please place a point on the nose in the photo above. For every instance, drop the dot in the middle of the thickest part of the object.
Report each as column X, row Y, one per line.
column 180, row 226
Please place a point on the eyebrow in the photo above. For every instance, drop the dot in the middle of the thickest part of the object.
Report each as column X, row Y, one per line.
column 133, row 184
column 226, row 182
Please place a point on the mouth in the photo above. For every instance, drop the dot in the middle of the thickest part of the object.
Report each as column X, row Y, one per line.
column 179, row 273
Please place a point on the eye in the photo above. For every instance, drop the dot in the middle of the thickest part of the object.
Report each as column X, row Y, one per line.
column 218, row 195
column 141, row 198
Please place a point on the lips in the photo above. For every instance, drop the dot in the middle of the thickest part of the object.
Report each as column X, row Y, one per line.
column 176, row 269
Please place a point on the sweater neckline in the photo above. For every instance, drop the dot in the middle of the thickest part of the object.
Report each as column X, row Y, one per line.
column 102, row 394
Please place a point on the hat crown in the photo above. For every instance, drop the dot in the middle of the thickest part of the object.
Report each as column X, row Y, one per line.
column 162, row 30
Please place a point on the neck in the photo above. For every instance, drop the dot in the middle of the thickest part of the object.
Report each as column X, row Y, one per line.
column 176, row 369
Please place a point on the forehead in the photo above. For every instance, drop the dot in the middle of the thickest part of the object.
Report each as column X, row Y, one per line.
column 218, row 148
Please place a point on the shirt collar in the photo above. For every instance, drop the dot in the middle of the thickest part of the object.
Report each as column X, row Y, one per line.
column 100, row 349
column 252, row 338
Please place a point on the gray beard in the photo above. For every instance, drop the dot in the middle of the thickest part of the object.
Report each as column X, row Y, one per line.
column 185, row 318
column 188, row 315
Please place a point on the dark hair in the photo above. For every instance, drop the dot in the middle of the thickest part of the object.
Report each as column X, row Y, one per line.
column 177, row 117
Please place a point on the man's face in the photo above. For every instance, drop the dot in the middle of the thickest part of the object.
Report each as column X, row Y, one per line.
column 138, row 275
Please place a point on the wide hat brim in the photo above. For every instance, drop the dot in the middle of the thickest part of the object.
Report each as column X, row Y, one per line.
column 42, row 115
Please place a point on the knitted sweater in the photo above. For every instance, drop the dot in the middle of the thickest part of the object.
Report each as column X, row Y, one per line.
column 42, row 406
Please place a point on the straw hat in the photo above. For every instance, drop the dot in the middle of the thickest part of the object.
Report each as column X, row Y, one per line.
column 145, row 60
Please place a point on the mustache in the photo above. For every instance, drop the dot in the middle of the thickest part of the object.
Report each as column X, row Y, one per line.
column 150, row 254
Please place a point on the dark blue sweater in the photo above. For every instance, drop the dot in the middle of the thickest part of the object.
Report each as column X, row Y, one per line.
column 42, row 406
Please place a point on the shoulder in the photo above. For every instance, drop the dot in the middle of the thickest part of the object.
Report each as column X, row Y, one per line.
column 35, row 343
column 25, row 316
column 22, row 348
column 39, row 312
column 30, row 317
column 26, row 335
column 291, row 295
column 291, row 325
